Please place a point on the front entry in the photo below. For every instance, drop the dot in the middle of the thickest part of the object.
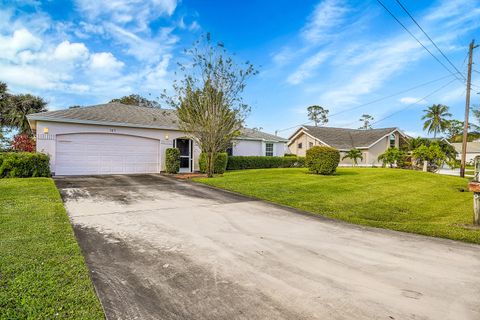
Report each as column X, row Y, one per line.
column 186, row 151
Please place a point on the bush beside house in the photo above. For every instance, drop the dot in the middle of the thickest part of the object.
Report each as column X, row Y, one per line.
column 262, row 162
column 172, row 160
column 24, row 165
column 322, row 160
column 219, row 166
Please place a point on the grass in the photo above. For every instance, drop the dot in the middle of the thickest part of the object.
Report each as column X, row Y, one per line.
column 42, row 271
column 403, row 200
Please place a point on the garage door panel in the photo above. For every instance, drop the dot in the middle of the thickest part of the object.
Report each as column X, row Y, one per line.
column 79, row 154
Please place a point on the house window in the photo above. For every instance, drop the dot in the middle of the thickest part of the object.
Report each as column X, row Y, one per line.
column 299, row 146
column 392, row 141
column 269, row 149
column 310, row 144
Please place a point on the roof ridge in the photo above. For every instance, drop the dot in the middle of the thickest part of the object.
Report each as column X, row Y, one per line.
column 348, row 129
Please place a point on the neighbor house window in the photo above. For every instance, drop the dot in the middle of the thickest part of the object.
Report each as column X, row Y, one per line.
column 310, row 144
column 269, row 149
column 299, row 146
column 392, row 141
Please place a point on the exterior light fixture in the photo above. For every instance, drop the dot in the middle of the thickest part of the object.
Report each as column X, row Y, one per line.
column 45, row 130
column 166, row 137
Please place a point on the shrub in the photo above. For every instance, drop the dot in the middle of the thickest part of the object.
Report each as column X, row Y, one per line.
column 261, row 162
column 322, row 160
column 172, row 160
column 23, row 143
column 220, row 164
column 432, row 154
column 24, row 165
column 391, row 156
column 293, row 162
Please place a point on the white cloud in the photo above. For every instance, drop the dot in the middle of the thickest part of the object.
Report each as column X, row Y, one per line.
column 411, row 100
column 138, row 13
column 307, row 68
column 105, row 63
column 327, row 14
column 71, row 51
column 20, row 40
column 27, row 76
column 143, row 48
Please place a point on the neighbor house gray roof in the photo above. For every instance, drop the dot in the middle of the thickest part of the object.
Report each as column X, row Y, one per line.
column 129, row 116
column 346, row 139
column 253, row 134
column 472, row 147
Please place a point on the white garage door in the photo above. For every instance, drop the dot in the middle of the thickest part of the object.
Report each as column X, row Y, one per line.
column 98, row 153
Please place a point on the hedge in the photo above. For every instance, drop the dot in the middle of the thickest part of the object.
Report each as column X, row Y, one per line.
column 261, row 162
column 24, row 165
column 322, row 160
column 172, row 160
column 219, row 166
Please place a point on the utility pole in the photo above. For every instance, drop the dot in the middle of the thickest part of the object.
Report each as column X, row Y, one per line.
column 467, row 109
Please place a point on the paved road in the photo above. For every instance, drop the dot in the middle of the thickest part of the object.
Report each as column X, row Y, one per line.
column 158, row 248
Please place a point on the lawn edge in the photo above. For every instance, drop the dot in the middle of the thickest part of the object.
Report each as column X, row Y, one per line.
column 341, row 222
column 74, row 232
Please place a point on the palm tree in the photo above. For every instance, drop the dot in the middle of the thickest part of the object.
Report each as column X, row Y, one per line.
column 436, row 119
column 353, row 154
column 19, row 107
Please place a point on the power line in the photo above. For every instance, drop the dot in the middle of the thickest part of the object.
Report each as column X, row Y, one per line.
column 374, row 101
column 413, row 36
column 389, row 96
column 418, row 25
column 414, row 103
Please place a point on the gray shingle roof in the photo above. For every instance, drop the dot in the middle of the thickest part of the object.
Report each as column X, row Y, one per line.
column 253, row 134
column 472, row 147
column 131, row 116
column 346, row 139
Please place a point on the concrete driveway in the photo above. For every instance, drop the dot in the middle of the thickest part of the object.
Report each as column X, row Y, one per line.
column 158, row 248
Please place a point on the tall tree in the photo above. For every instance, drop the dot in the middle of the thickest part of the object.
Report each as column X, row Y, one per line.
column 318, row 115
column 208, row 97
column 21, row 106
column 436, row 119
column 4, row 101
column 137, row 100
column 15, row 108
column 455, row 128
column 366, row 121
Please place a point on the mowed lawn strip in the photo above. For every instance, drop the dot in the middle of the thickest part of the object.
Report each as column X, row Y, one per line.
column 42, row 271
column 403, row 200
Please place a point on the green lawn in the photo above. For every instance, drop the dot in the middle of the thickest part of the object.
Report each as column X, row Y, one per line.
column 42, row 271
column 404, row 200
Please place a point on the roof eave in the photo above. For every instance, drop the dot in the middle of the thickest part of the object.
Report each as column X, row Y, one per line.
column 103, row 123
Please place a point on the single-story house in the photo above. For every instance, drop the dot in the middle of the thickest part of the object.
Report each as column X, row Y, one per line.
column 372, row 142
column 473, row 150
column 114, row 138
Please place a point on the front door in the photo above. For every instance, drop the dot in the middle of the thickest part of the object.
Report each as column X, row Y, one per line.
column 185, row 146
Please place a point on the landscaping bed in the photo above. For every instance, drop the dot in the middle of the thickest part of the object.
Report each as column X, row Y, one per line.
column 403, row 200
column 42, row 271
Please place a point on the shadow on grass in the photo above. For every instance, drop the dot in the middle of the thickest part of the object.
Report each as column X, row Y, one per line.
column 336, row 174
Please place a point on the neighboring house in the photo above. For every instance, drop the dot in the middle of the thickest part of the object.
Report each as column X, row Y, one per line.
column 372, row 142
column 473, row 150
column 114, row 138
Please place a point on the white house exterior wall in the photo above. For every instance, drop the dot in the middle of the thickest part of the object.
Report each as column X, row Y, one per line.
column 46, row 143
column 370, row 155
column 469, row 157
column 256, row 148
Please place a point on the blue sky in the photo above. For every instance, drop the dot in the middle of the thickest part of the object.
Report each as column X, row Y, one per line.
column 335, row 53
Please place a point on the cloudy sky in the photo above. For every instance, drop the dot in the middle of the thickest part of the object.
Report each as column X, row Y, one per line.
column 344, row 55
